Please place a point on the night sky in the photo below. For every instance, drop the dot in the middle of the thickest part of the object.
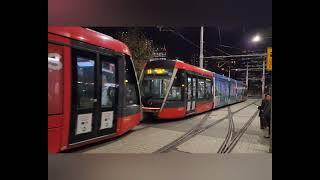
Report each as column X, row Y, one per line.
column 238, row 22
column 237, row 39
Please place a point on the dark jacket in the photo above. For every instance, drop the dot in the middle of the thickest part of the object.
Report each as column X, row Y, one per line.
column 261, row 108
column 267, row 112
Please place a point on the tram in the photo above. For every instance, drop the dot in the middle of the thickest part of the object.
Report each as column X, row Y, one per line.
column 172, row 89
column 93, row 90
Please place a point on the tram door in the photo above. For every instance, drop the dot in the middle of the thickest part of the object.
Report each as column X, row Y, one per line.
column 94, row 92
column 191, row 93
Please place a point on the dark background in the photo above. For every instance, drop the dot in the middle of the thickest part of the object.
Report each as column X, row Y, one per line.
column 24, row 85
column 238, row 39
column 183, row 43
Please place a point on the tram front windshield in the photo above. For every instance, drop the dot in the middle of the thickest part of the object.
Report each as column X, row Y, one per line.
column 155, row 86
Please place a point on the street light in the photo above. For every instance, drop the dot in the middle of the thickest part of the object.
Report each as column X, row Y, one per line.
column 256, row 38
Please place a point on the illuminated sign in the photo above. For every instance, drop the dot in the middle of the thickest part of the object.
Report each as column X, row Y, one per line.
column 149, row 71
column 160, row 71
column 269, row 59
column 157, row 71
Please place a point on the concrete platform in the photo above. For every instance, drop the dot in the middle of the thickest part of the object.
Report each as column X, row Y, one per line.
column 144, row 141
column 151, row 136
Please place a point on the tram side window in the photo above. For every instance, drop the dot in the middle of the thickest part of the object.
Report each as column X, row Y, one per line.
column 86, row 79
column 233, row 89
column 131, row 87
column 208, row 88
column 217, row 88
column 108, row 81
column 175, row 91
column 55, row 79
column 189, row 90
column 222, row 88
column 225, row 88
column 201, row 88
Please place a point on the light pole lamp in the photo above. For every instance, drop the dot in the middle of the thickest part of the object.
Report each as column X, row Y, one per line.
column 258, row 38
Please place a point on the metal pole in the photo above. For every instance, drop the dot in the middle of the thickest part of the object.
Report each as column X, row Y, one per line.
column 247, row 75
column 219, row 34
column 263, row 77
column 201, row 47
column 270, row 148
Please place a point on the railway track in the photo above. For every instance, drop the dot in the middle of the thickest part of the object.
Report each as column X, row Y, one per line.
column 231, row 140
column 197, row 130
column 188, row 135
column 230, row 133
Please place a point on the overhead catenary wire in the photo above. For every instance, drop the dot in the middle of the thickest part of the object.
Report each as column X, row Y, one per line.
column 239, row 55
column 190, row 42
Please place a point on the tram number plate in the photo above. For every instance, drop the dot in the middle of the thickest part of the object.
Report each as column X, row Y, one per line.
column 84, row 123
column 106, row 120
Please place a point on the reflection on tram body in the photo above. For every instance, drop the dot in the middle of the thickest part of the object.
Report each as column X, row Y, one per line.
column 173, row 89
column 92, row 88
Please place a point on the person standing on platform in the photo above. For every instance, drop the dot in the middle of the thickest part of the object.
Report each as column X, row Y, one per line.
column 261, row 108
column 267, row 114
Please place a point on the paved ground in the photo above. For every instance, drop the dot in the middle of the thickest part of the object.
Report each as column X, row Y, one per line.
column 150, row 136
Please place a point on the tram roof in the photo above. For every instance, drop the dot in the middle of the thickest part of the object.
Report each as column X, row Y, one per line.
column 227, row 78
column 242, row 83
column 182, row 65
column 220, row 76
column 91, row 37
